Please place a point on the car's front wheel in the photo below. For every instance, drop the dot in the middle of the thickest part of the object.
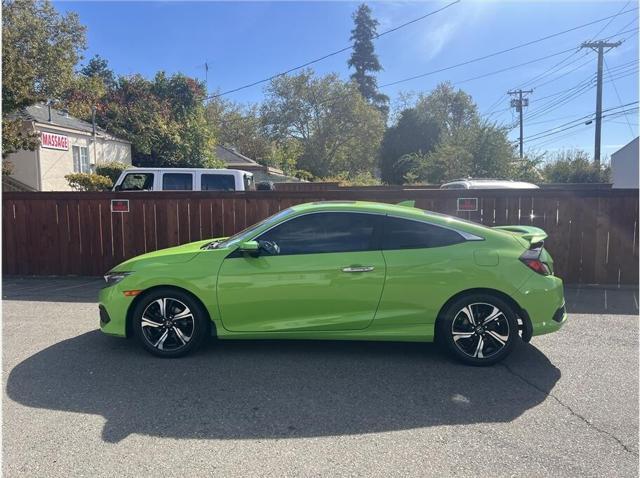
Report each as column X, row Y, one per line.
column 169, row 323
column 479, row 329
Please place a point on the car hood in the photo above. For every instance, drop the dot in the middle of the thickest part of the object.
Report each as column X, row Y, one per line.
column 172, row 255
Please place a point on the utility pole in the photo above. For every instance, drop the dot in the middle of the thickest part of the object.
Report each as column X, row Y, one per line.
column 599, row 46
column 519, row 103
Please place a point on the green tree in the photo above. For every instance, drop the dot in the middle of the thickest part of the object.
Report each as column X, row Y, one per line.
column 413, row 133
column 575, row 166
column 364, row 59
column 338, row 130
column 98, row 67
column 442, row 137
column 163, row 118
column 241, row 128
column 40, row 48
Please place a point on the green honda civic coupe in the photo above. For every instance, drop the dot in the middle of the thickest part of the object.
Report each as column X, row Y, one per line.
column 343, row 270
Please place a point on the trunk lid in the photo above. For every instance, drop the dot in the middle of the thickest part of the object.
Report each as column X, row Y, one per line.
column 533, row 235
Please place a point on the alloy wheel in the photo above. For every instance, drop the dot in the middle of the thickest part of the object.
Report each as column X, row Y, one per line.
column 480, row 330
column 167, row 324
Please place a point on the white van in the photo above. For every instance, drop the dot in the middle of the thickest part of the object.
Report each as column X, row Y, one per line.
column 184, row 179
column 487, row 184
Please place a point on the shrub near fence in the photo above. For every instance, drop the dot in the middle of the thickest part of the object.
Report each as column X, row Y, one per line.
column 592, row 232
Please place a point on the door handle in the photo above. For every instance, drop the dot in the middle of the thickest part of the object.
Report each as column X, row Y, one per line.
column 358, row 269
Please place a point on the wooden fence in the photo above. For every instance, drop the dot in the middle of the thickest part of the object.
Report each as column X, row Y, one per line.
column 593, row 233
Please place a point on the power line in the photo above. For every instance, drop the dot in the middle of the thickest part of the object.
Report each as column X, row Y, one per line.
column 579, row 121
column 618, row 95
column 554, row 68
column 328, row 55
column 501, row 52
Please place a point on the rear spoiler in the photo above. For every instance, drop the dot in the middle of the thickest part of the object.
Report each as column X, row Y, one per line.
column 534, row 235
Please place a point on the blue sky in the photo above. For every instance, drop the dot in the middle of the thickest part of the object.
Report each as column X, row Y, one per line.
column 247, row 41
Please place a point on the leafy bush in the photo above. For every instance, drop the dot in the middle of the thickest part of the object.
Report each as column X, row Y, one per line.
column 88, row 182
column 575, row 166
column 111, row 170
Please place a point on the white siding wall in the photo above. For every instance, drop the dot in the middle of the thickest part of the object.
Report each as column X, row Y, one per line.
column 624, row 166
column 56, row 164
column 25, row 167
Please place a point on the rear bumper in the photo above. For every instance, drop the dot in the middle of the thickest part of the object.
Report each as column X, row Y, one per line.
column 542, row 297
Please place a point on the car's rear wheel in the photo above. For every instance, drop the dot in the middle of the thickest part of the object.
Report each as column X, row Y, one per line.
column 479, row 329
column 169, row 323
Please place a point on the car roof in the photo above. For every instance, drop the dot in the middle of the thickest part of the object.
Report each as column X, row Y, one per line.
column 135, row 169
column 492, row 184
column 397, row 210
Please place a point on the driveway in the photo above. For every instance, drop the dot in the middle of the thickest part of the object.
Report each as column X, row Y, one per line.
column 78, row 403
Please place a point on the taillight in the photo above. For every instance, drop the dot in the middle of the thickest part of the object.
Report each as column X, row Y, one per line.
column 531, row 258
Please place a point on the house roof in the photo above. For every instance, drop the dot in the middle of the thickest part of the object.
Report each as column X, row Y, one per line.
column 232, row 157
column 39, row 113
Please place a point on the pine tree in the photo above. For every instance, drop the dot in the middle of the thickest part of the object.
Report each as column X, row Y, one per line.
column 364, row 59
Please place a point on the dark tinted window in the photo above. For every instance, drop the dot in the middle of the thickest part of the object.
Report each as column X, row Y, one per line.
column 177, row 181
column 217, row 182
column 324, row 232
column 137, row 182
column 404, row 234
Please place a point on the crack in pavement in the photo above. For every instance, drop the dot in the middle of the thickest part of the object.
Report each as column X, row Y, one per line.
column 571, row 410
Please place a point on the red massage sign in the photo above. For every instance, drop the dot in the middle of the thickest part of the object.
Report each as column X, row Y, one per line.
column 54, row 141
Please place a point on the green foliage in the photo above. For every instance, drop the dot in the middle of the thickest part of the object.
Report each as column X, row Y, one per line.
column 442, row 137
column 15, row 137
column 98, row 68
column 359, row 179
column 88, row 182
column 364, row 59
column 111, row 170
column 40, row 48
column 163, row 118
column 241, row 128
column 575, row 166
column 413, row 133
column 336, row 128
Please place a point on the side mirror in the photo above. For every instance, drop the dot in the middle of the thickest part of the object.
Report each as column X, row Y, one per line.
column 249, row 246
column 118, row 187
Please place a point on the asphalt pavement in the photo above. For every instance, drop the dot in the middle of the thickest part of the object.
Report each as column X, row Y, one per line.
column 78, row 403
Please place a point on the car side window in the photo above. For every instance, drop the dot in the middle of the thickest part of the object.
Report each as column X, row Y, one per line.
column 324, row 232
column 405, row 234
column 137, row 182
column 217, row 182
column 177, row 182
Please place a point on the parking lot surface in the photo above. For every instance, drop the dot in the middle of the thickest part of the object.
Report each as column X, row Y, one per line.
column 78, row 403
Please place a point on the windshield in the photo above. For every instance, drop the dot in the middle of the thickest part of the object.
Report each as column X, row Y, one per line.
column 246, row 233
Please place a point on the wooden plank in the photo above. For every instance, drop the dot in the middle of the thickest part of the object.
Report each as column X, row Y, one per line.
column 588, row 227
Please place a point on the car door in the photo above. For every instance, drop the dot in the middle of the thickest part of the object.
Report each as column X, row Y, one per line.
column 328, row 275
column 426, row 265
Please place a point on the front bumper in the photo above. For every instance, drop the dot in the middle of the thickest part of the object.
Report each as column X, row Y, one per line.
column 542, row 297
column 114, row 305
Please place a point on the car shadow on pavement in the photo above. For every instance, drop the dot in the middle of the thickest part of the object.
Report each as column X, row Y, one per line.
column 276, row 389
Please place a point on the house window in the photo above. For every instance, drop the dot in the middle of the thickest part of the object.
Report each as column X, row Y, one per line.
column 81, row 160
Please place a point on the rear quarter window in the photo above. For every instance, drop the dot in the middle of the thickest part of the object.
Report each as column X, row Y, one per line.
column 400, row 233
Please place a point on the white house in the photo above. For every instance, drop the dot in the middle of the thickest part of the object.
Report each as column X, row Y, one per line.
column 67, row 145
column 624, row 166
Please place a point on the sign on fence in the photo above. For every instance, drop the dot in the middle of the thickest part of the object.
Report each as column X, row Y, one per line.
column 467, row 204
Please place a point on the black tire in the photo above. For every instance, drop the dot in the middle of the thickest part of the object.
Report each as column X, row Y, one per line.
column 472, row 341
column 174, row 332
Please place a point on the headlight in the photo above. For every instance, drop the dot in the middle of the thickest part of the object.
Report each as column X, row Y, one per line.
column 112, row 278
